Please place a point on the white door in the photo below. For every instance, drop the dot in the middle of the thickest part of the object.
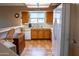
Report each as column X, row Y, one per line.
column 57, row 29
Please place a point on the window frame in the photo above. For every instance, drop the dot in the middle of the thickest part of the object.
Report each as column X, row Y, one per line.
column 37, row 17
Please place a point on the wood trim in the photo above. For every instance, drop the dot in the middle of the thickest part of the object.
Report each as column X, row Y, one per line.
column 54, row 6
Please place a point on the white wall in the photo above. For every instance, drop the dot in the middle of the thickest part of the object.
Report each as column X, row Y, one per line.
column 7, row 18
column 73, row 18
column 65, row 30
column 76, row 26
column 62, row 33
column 74, row 29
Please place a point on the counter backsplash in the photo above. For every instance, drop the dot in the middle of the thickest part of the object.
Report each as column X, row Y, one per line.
column 38, row 25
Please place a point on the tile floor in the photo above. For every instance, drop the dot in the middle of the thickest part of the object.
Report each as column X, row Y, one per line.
column 38, row 48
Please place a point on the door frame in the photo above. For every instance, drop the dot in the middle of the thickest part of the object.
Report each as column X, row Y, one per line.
column 65, row 30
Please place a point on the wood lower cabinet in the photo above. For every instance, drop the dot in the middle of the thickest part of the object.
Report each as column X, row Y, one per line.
column 41, row 33
column 20, row 43
column 34, row 33
column 47, row 33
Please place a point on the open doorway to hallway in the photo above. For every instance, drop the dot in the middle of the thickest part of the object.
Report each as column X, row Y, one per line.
column 40, row 27
column 47, row 47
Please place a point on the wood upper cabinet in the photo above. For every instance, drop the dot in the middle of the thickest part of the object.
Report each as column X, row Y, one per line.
column 49, row 17
column 25, row 17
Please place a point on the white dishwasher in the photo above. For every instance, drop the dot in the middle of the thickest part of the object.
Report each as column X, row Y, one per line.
column 27, row 34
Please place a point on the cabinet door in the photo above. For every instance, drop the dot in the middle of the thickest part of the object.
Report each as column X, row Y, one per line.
column 40, row 33
column 47, row 33
column 49, row 17
column 34, row 34
column 25, row 17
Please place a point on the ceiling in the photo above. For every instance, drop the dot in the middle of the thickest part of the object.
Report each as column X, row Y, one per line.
column 38, row 5
column 12, row 4
column 32, row 5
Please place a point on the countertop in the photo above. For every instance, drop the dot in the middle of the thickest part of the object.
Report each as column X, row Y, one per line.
column 4, row 51
column 8, row 28
column 29, row 29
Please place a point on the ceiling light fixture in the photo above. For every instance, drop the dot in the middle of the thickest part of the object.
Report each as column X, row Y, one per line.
column 37, row 5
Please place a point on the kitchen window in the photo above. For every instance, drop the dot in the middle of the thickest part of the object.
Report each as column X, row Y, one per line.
column 37, row 17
